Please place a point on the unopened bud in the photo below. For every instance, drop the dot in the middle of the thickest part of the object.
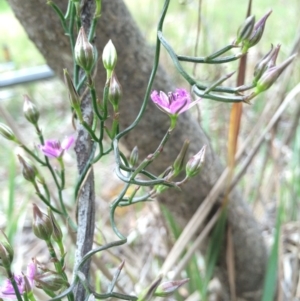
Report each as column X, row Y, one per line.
column 272, row 61
column 245, row 30
column 115, row 91
column 179, row 161
column 73, row 95
column 29, row 171
column 27, row 285
column 148, row 293
column 6, row 132
column 84, row 51
column 134, row 156
column 49, row 281
column 257, row 33
column 30, row 110
column 262, row 65
column 271, row 75
column 57, row 233
column 166, row 289
column 109, row 56
column 167, row 175
column 268, row 62
column 195, row 164
column 6, row 252
column 42, row 225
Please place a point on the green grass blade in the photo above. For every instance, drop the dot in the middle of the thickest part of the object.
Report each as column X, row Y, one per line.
column 271, row 274
column 214, row 248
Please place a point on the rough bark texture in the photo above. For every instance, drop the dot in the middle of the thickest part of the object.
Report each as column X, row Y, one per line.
column 133, row 69
column 86, row 200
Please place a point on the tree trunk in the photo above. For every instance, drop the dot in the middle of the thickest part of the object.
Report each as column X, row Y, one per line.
column 135, row 59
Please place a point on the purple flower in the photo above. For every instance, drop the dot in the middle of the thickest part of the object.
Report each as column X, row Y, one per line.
column 7, row 291
column 174, row 103
column 55, row 149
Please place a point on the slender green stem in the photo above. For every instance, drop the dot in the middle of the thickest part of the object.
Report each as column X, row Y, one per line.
column 58, row 267
column 71, row 26
column 115, row 278
column 219, row 52
column 115, row 296
column 89, row 130
column 182, row 72
column 147, row 183
column 62, row 172
column 115, row 125
column 219, row 97
column 68, row 13
column 93, row 28
column 217, row 82
column 225, row 59
column 60, row 15
column 135, row 200
column 113, row 208
column 86, row 257
column 94, row 97
column 72, row 12
column 46, row 191
column 148, row 90
column 48, row 203
column 81, row 82
column 153, row 156
column 14, row 284
column 54, row 259
column 33, row 155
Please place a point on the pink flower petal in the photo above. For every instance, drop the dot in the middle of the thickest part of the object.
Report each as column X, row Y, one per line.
column 174, row 103
column 67, row 143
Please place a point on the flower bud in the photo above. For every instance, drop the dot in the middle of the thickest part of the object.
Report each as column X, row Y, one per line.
column 109, row 56
column 57, row 233
column 257, row 33
column 194, row 165
column 262, row 65
column 84, row 51
column 134, row 156
column 245, row 30
column 166, row 175
column 73, row 95
column 179, row 161
column 30, row 110
column 273, row 57
column 6, row 251
column 29, row 171
column 148, row 293
column 166, row 289
column 268, row 61
column 6, row 132
column 271, row 75
column 27, row 285
column 42, row 225
column 115, row 91
column 49, row 281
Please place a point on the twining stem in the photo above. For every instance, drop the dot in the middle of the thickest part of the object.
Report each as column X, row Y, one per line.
column 153, row 156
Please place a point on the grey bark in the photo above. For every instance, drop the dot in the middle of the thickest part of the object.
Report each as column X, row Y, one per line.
column 133, row 70
column 86, row 200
